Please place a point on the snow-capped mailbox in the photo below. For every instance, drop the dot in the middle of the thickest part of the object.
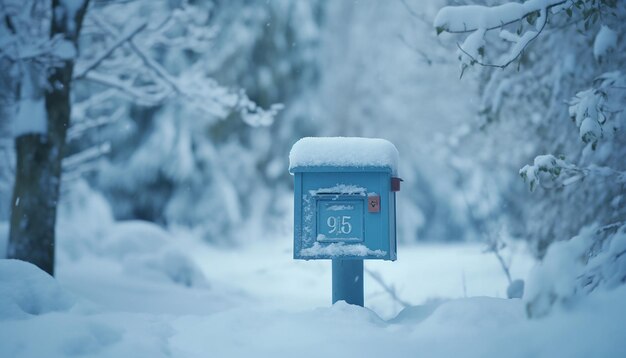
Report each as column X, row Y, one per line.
column 345, row 201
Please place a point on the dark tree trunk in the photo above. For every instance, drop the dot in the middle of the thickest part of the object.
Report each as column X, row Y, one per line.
column 39, row 158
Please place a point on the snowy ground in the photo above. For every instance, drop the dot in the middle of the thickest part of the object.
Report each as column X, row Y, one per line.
column 265, row 275
column 137, row 291
column 268, row 274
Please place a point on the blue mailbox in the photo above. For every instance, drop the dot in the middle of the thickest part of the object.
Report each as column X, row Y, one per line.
column 345, row 202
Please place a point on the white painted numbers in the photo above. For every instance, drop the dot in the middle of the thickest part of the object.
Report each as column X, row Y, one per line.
column 339, row 224
column 340, row 220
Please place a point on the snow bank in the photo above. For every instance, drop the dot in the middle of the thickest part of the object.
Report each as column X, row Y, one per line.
column 468, row 327
column 343, row 151
column 25, row 290
column 38, row 318
column 479, row 312
column 471, row 327
column 84, row 217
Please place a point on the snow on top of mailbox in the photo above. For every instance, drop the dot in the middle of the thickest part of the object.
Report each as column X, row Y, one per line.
column 344, row 152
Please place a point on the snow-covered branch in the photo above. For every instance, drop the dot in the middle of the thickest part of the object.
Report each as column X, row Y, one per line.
column 25, row 37
column 78, row 129
column 591, row 109
column 45, row 51
column 84, row 69
column 548, row 169
column 470, row 18
column 192, row 84
column 76, row 160
column 478, row 20
column 145, row 95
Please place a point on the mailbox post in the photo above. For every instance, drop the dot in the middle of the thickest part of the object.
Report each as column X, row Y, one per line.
column 345, row 206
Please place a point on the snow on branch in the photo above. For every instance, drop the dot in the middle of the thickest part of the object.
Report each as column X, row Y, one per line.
column 76, row 160
column 80, row 109
column 78, row 129
column 548, row 169
column 469, row 18
column 82, row 70
column 590, row 109
column 25, row 35
column 148, row 61
column 150, row 82
column 142, row 96
column 48, row 51
column 478, row 20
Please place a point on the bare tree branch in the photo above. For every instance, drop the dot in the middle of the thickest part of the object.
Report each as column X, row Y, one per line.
column 425, row 57
column 415, row 14
column 495, row 247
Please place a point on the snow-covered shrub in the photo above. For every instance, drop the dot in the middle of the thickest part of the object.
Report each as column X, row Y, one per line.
column 527, row 104
column 142, row 249
column 83, row 217
column 548, row 77
column 596, row 258
column 146, row 250
column 170, row 265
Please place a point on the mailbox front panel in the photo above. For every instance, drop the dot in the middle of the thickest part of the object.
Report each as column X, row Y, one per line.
column 339, row 218
column 345, row 214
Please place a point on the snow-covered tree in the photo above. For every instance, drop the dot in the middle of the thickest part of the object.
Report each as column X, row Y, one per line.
column 552, row 83
column 123, row 60
column 38, row 51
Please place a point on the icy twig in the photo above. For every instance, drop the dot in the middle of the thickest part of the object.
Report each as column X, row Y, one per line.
column 391, row 290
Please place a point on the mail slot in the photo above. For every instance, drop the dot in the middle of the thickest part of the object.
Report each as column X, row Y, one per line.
column 344, row 203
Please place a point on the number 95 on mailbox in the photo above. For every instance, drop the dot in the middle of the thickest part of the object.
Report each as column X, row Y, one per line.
column 345, row 209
